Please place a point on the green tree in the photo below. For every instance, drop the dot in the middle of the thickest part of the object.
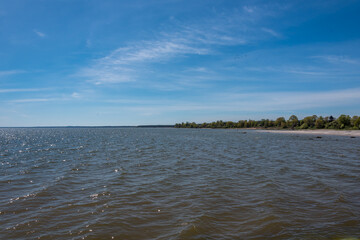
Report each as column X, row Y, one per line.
column 309, row 122
column 333, row 125
column 293, row 121
column 193, row 125
column 320, row 123
column 356, row 122
column 280, row 122
column 344, row 121
column 240, row 124
column 229, row 124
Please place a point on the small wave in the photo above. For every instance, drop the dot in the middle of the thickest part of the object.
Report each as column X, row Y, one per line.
column 22, row 197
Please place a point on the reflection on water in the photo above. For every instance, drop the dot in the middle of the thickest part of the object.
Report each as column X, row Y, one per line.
column 133, row 183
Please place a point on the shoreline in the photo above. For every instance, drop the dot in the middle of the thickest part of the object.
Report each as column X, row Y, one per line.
column 349, row 133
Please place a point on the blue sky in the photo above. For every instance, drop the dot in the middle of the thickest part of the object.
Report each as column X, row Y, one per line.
column 74, row 62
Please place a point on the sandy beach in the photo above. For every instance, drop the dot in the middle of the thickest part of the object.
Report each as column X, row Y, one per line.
column 350, row 133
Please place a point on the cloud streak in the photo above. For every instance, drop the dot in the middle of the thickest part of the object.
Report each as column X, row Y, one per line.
column 271, row 32
column 15, row 90
column 336, row 59
column 40, row 34
column 289, row 69
column 294, row 100
column 31, row 100
column 124, row 64
column 136, row 60
column 10, row 72
column 152, row 51
column 244, row 102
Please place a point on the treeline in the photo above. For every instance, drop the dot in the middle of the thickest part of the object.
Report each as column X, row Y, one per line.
column 310, row 122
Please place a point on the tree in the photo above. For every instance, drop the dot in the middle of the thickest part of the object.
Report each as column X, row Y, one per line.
column 309, row 121
column 320, row 123
column 240, row 124
column 333, row 125
column 193, row 125
column 229, row 124
column 356, row 122
column 344, row 121
column 280, row 122
column 293, row 121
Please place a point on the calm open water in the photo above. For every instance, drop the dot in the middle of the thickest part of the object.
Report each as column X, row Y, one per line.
column 140, row 183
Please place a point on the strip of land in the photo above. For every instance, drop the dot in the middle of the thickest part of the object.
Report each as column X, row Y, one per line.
column 350, row 133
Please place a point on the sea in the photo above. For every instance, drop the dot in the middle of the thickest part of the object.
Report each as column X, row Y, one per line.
column 167, row 183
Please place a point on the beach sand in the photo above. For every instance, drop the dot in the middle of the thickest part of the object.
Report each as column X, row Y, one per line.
column 350, row 133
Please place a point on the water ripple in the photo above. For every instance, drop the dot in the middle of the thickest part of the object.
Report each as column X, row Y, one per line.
column 93, row 183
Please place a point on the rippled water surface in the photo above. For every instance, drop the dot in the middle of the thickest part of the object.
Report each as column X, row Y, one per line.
column 142, row 183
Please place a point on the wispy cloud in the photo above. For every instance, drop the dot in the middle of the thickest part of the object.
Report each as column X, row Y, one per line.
column 136, row 60
column 59, row 98
column 265, row 102
column 289, row 69
column 10, row 72
column 75, row 95
column 123, row 64
column 304, row 72
column 40, row 34
column 14, row 90
column 198, row 69
column 152, row 51
column 253, row 102
column 335, row 59
column 215, row 35
column 271, row 32
column 30, row 100
column 294, row 100
column 102, row 73
column 248, row 9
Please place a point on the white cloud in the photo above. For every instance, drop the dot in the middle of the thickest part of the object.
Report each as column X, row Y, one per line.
column 214, row 34
column 289, row 69
column 271, row 32
column 335, row 59
column 153, row 51
column 101, row 73
column 243, row 102
column 198, row 69
column 42, row 99
column 137, row 60
column 11, row 90
column 30, row 100
column 75, row 95
column 10, row 72
column 293, row 100
column 125, row 64
column 254, row 102
column 248, row 9
column 40, row 34
column 304, row 72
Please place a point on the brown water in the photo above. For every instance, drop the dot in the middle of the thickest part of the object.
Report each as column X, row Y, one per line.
column 101, row 183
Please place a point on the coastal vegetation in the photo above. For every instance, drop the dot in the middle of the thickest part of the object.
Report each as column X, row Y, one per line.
column 310, row 122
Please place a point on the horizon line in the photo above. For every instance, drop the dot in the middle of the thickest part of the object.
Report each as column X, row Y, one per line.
column 99, row 126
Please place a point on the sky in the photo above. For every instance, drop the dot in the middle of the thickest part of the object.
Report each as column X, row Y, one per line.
column 138, row 62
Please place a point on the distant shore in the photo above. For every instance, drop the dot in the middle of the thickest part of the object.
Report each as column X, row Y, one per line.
column 350, row 133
